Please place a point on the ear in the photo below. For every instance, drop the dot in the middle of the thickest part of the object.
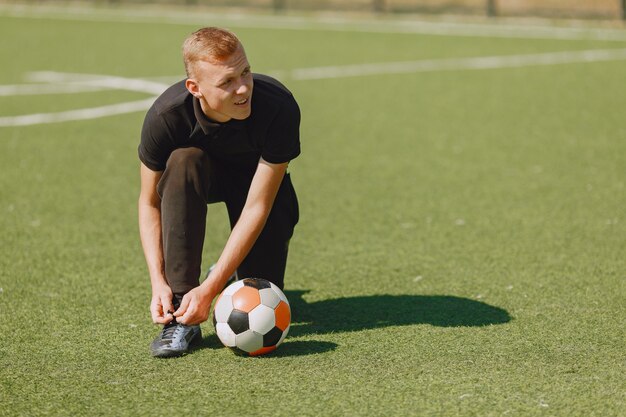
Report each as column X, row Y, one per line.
column 193, row 88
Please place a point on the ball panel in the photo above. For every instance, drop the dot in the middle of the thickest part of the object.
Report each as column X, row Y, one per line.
column 260, row 324
column 280, row 292
column 223, row 308
column 225, row 334
column 263, row 351
column 272, row 337
column 246, row 298
column 238, row 321
column 283, row 315
column 232, row 288
column 261, row 319
column 249, row 341
column 219, row 297
column 269, row 297
column 283, row 336
column 257, row 283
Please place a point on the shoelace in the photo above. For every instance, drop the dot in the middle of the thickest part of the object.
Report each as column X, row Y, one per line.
column 169, row 331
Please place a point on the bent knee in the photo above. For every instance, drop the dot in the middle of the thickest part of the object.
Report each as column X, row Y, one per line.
column 186, row 158
column 187, row 170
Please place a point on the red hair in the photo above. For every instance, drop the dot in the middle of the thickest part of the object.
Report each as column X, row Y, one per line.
column 209, row 44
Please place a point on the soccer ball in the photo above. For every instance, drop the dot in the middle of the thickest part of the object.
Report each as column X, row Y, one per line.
column 252, row 316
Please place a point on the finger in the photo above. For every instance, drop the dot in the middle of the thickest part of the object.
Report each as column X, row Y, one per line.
column 156, row 312
column 155, row 304
column 168, row 308
column 166, row 312
column 158, row 317
column 186, row 318
column 189, row 314
column 184, row 305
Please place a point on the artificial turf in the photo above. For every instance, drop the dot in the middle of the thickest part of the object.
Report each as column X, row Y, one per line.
column 460, row 249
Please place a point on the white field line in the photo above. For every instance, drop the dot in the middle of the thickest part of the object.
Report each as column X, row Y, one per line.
column 38, row 89
column 446, row 64
column 452, row 64
column 81, row 114
column 102, row 81
column 333, row 23
column 65, row 84
column 318, row 73
column 88, row 80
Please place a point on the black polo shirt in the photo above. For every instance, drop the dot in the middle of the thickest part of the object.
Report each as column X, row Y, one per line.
column 176, row 120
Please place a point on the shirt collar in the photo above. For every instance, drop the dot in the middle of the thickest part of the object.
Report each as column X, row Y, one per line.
column 208, row 126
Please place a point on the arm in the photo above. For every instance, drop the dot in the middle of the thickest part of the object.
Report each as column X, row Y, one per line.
column 149, row 207
column 196, row 303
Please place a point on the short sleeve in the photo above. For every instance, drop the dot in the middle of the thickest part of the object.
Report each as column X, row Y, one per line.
column 282, row 143
column 153, row 150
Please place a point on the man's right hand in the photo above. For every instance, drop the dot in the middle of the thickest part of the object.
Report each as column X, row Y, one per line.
column 161, row 306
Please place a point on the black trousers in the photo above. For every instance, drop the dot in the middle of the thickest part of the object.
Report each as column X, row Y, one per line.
column 191, row 180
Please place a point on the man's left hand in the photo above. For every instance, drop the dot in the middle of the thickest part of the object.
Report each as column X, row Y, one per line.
column 195, row 306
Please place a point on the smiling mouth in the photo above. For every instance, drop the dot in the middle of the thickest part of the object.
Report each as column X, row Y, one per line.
column 239, row 103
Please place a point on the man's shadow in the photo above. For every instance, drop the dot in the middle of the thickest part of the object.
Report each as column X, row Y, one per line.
column 351, row 314
column 369, row 312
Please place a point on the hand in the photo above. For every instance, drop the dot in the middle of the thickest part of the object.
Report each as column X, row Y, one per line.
column 195, row 306
column 161, row 306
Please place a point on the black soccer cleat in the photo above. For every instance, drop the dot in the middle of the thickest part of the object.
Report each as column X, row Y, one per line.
column 175, row 340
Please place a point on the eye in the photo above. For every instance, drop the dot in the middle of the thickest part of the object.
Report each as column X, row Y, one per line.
column 245, row 72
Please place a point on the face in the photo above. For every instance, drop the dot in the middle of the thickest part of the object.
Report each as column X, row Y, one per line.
column 223, row 88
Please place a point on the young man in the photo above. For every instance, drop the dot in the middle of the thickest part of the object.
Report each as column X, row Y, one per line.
column 221, row 135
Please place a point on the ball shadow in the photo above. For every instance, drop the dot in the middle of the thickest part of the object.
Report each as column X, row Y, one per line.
column 369, row 312
column 300, row 348
column 288, row 348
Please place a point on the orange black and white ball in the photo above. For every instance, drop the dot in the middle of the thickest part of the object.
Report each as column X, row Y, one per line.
column 252, row 316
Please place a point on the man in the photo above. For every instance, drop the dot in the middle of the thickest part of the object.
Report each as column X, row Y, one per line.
column 221, row 135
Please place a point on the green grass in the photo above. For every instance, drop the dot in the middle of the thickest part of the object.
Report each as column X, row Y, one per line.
column 460, row 252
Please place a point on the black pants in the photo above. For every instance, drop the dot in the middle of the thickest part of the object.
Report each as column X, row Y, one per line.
column 192, row 180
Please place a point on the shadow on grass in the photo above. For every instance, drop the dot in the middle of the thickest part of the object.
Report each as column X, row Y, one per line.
column 289, row 348
column 370, row 312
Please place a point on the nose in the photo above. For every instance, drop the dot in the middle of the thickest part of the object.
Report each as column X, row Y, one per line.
column 244, row 87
